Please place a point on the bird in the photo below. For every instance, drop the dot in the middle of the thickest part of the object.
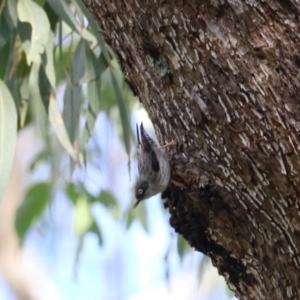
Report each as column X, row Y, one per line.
column 153, row 167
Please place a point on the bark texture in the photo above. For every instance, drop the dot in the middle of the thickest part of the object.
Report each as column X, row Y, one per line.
column 221, row 78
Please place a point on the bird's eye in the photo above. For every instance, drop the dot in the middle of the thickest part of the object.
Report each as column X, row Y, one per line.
column 140, row 191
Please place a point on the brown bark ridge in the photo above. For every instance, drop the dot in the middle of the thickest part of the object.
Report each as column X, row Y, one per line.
column 221, row 78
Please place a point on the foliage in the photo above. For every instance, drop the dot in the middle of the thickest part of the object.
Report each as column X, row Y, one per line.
column 46, row 46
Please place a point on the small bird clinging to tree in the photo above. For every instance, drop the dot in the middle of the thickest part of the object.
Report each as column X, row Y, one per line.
column 153, row 166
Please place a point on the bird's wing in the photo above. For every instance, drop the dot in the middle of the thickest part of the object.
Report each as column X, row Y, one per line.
column 147, row 159
column 149, row 147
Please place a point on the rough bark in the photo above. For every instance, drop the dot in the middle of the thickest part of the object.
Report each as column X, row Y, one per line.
column 222, row 79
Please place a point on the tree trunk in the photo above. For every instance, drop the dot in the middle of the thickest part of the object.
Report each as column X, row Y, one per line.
column 222, row 79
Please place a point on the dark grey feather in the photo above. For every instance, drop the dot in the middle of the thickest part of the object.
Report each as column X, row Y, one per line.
column 149, row 145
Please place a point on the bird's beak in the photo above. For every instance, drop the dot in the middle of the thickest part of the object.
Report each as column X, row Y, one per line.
column 136, row 203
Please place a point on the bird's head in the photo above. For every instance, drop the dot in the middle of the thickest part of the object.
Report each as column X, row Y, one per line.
column 142, row 191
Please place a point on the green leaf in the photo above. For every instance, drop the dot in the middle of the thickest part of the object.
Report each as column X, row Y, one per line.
column 13, row 85
column 48, row 61
column 5, row 54
column 72, row 104
column 62, row 64
column 83, row 216
column 58, row 125
column 202, row 268
column 45, row 88
column 96, row 230
column 32, row 13
column 63, row 11
column 6, row 27
column 86, row 66
column 24, row 30
column 78, row 252
column 94, row 90
column 18, row 60
column 138, row 213
column 107, row 199
column 78, row 65
column 93, row 66
column 52, row 16
column 42, row 157
column 12, row 9
column 96, row 31
column 130, row 219
column 37, row 105
column 72, row 193
column 181, row 246
column 124, row 113
column 31, row 208
column 8, row 135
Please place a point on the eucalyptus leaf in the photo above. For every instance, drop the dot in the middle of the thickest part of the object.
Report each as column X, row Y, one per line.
column 58, row 125
column 83, row 217
column 94, row 90
column 107, row 199
column 72, row 193
column 48, row 61
column 38, row 106
column 8, row 135
column 202, row 267
column 93, row 66
column 137, row 214
column 32, row 13
column 94, row 228
column 62, row 9
column 12, row 9
column 96, row 31
column 78, row 65
column 124, row 113
column 181, row 246
column 72, row 104
column 31, row 208
column 5, row 54
column 5, row 27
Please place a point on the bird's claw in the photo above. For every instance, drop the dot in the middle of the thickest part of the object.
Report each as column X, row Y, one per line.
column 178, row 184
column 169, row 144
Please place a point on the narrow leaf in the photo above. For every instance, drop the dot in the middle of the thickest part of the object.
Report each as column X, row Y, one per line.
column 78, row 65
column 8, row 134
column 64, row 12
column 123, row 108
column 94, row 91
column 5, row 54
column 137, row 214
column 31, row 208
column 12, row 8
column 58, row 125
column 72, row 193
column 96, row 30
column 93, row 66
column 72, row 104
column 181, row 246
column 48, row 61
column 123, row 113
column 5, row 26
column 83, row 217
column 107, row 199
column 94, row 228
column 32, row 13
column 37, row 104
